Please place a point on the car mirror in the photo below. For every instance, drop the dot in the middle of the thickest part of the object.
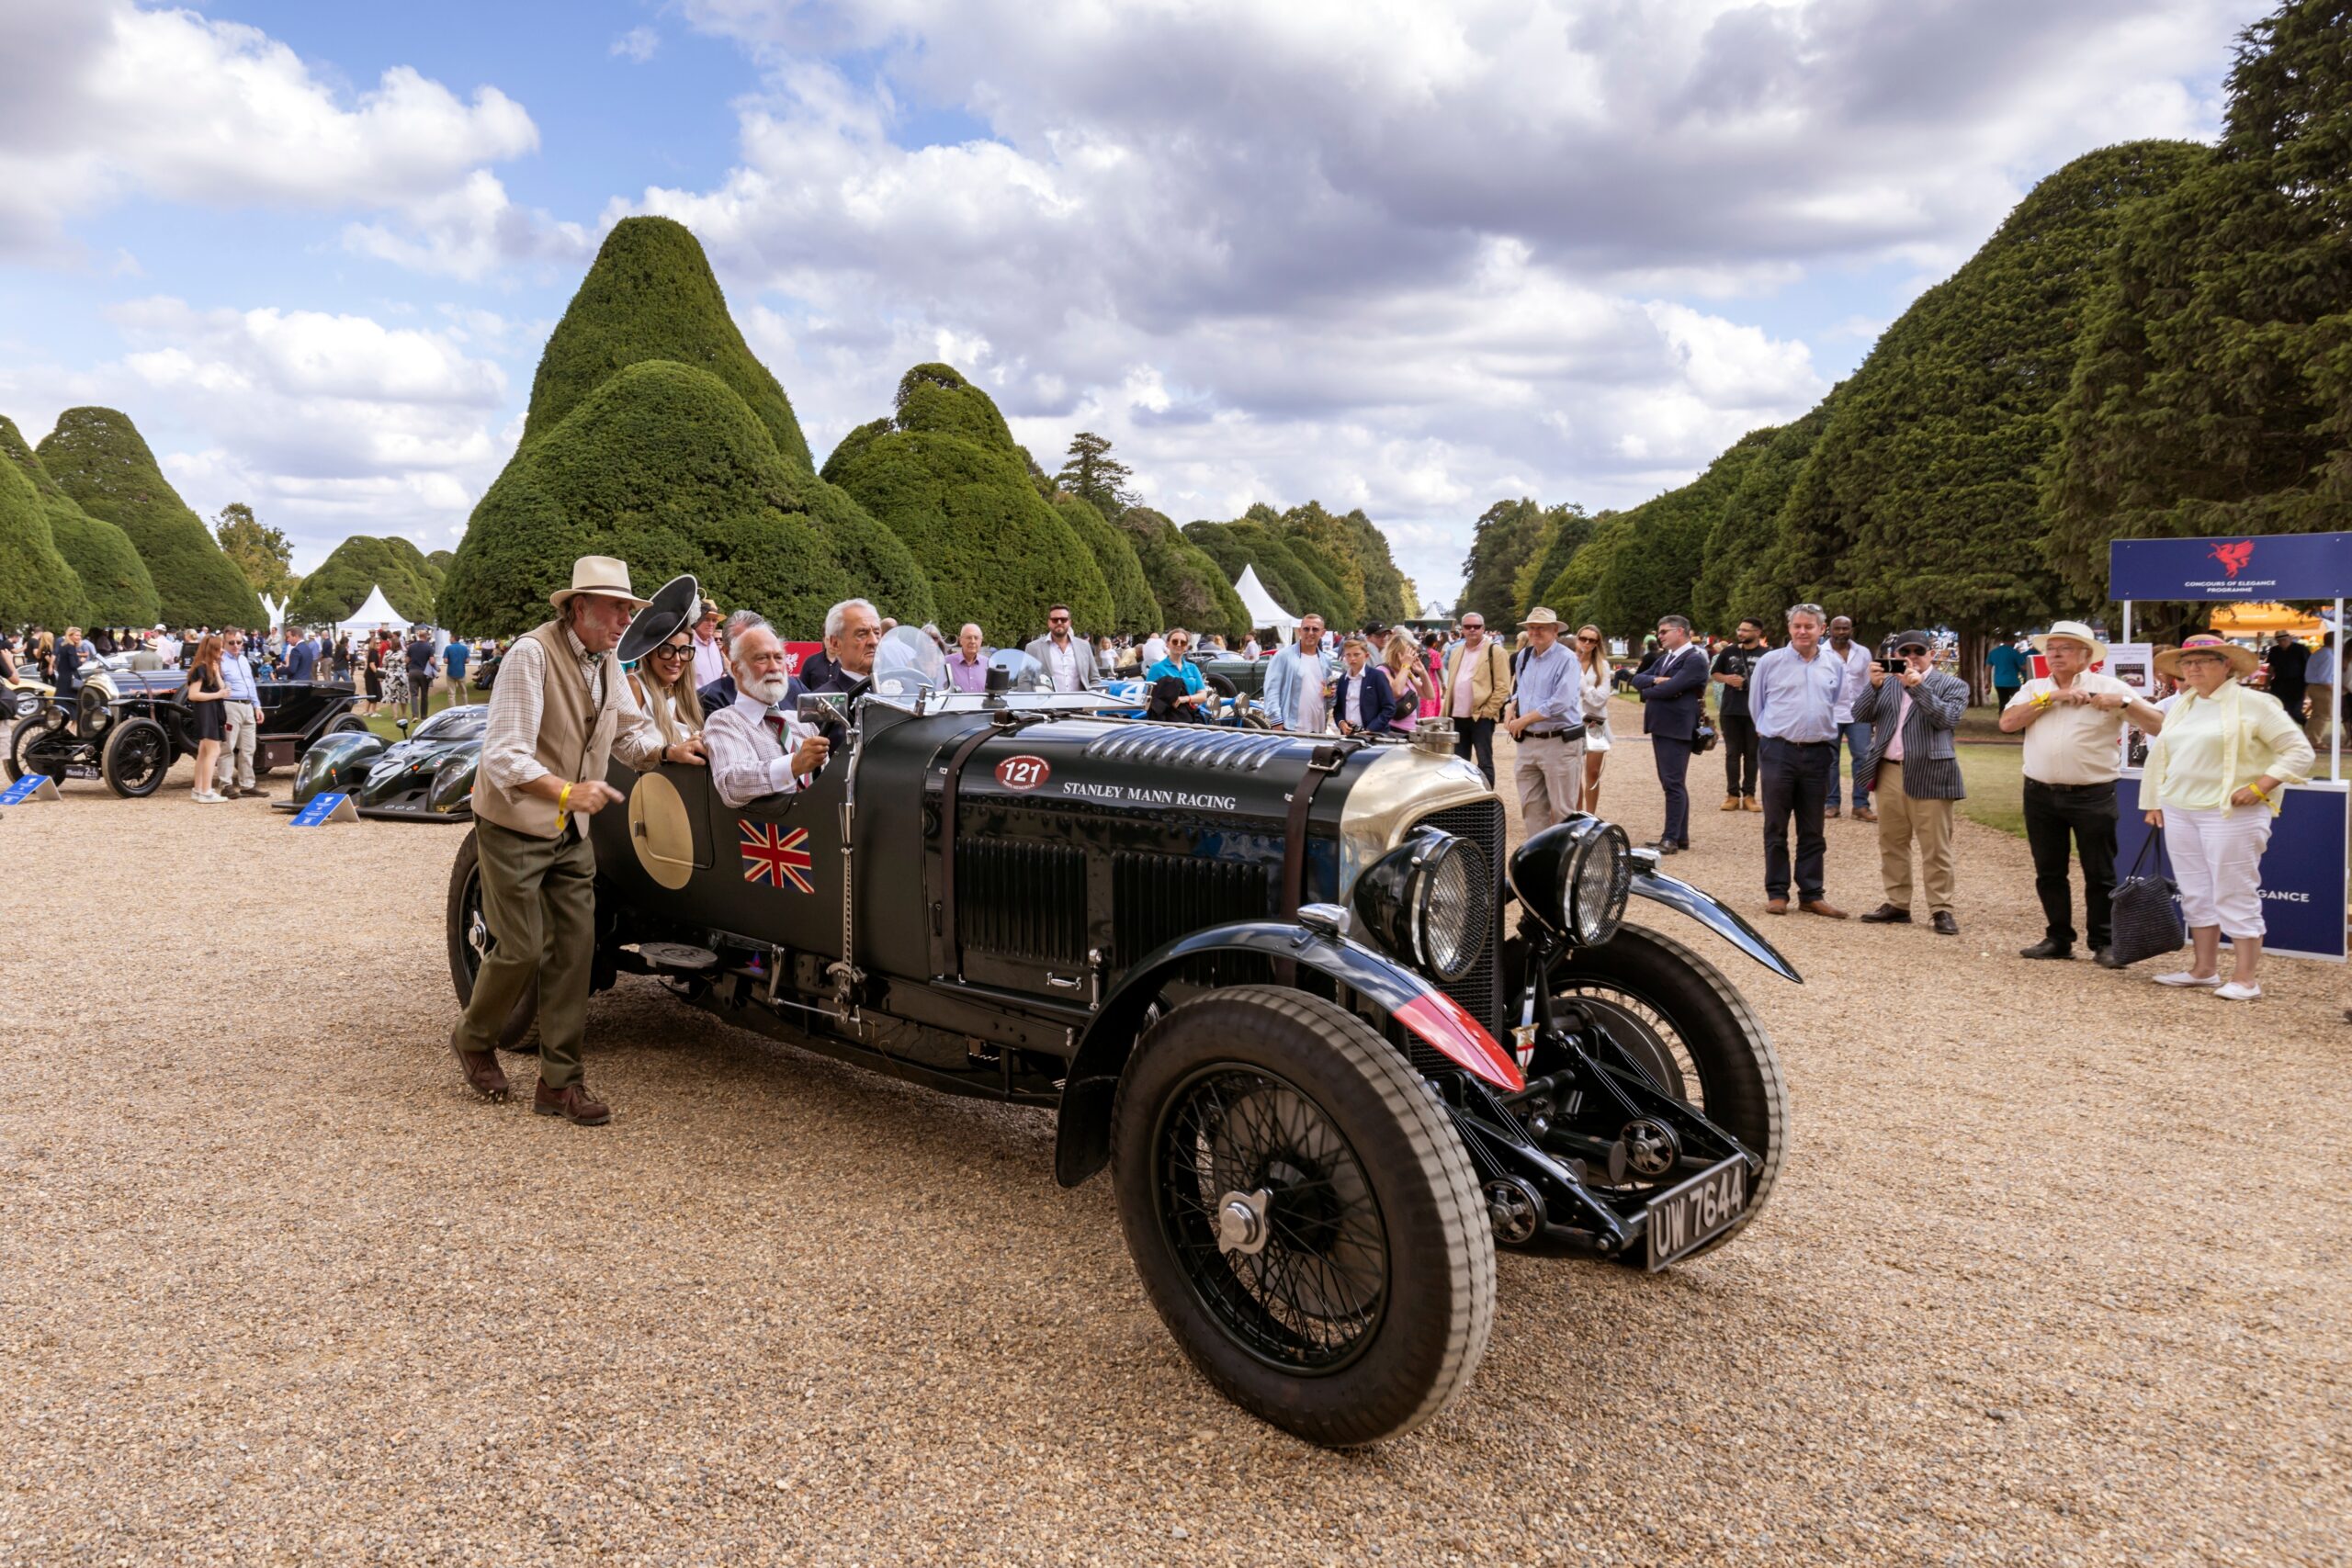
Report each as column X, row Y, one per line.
column 402, row 725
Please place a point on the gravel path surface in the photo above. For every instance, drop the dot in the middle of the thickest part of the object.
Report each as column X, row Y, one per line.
column 2057, row 1273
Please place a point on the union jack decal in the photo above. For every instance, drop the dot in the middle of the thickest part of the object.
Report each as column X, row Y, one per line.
column 774, row 856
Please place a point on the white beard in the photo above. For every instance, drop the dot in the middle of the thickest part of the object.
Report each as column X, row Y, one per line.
column 768, row 689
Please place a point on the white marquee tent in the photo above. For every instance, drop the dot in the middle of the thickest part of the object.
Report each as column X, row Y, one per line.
column 1263, row 610
column 375, row 614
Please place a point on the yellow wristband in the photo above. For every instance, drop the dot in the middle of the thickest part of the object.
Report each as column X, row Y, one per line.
column 2258, row 795
column 2045, row 700
column 563, row 801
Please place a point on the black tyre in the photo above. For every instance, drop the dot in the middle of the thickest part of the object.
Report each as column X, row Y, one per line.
column 28, row 742
column 349, row 724
column 137, row 756
column 1696, row 1037
column 470, row 938
column 1352, row 1297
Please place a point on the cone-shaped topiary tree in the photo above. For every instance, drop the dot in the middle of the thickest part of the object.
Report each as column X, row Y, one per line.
column 1298, row 581
column 1133, row 607
column 114, row 588
column 1192, row 590
column 35, row 582
column 945, row 475
column 97, row 458
column 664, row 466
column 651, row 295
column 340, row 584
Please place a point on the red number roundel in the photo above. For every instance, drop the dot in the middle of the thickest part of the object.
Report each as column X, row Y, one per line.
column 1023, row 772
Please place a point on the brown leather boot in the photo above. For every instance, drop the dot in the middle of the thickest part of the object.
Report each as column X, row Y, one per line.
column 483, row 1075
column 572, row 1101
column 1781, row 906
column 1749, row 802
column 1731, row 803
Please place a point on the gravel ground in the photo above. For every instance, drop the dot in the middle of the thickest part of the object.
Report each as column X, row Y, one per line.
column 2057, row 1272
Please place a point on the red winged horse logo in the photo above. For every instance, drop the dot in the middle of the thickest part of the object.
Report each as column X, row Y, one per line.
column 2233, row 557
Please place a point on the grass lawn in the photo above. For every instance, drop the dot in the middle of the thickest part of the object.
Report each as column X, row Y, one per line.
column 1995, row 779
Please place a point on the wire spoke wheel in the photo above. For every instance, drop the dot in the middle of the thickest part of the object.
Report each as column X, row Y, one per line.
column 1309, row 1294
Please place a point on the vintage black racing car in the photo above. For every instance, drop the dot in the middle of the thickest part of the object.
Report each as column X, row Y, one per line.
column 129, row 727
column 428, row 775
column 1265, row 979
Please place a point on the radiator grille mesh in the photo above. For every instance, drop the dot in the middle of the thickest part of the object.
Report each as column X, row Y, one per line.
column 1024, row 900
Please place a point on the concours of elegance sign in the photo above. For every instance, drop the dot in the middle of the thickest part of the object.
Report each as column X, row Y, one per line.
column 2303, row 877
column 2259, row 567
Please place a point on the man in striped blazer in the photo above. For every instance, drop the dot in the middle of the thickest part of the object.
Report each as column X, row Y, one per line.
column 1911, row 715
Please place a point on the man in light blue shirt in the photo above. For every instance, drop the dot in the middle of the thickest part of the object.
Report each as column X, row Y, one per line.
column 234, row 775
column 1297, row 680
column 1793, row 699
column 1547, row 718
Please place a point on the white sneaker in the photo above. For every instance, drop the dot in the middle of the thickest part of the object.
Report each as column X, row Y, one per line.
column 204, row 798
column 2233, row 992
column 2185, row 978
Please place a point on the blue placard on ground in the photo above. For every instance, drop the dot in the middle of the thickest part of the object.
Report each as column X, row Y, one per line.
column 2303, row 875
column 30, row 786
column 326, row 808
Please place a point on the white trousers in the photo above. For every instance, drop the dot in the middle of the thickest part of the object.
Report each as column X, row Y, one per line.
column 2217, row 860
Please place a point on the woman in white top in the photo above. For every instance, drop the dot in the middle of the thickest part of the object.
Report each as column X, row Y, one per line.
column 1592, row 657
column 665, row 689
column 2212, row 786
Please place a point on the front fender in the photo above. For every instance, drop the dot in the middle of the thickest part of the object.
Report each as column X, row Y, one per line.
column 1712, row 913
column 1082, row 1140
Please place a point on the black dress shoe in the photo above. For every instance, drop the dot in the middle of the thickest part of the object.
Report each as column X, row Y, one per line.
column 2105, row 958
column 1663, row 847
column 1885, row 915
column 1945, row 925
column 2045, row 948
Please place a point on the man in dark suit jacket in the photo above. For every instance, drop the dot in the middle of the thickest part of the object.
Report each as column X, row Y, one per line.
column 1917, row 770
column 1364, row 685
column 1670, row 691
column 2287, row 660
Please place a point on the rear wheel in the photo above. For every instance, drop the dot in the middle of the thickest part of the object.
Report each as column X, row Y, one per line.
column 40, row 745
column 1302, row 1214
column 137, row 756
column 349, row 724
column 1694, row 1035
column 469, row 939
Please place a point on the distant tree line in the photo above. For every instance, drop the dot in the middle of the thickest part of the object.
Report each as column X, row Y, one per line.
column 2157, row 342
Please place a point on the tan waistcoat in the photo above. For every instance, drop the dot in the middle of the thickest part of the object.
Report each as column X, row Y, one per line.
column 575, row 739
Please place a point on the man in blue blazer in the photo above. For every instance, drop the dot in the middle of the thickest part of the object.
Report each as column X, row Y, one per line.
column 1671, row 692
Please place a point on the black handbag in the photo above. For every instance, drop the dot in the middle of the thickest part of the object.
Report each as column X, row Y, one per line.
column 2145, row 920
column 1703, row 738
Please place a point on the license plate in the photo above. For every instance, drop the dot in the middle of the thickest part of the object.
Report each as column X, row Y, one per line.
column 1694, row 1214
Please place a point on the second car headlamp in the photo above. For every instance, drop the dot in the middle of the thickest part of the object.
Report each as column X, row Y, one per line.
column 1575, row 876
column 1430, row 901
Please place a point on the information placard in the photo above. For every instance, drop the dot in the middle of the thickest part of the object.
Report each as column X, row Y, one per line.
column 2303, row 876
column 30, row 786
column 326, row 808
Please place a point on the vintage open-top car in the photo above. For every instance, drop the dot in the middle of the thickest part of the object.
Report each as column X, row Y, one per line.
column 1265, row 979
column 428, row 775
column 127, row 726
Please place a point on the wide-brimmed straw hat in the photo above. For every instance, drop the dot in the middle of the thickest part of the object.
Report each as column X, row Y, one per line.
column 2241, row 660
column 1540, row 616
column 2073, row 631
column 601, row 575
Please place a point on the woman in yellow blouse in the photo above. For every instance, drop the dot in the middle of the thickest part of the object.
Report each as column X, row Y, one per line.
column 2212, row 784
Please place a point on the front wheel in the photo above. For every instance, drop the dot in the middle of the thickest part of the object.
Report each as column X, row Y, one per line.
column 137, row 756
column 38, row 745
column 469, row 939
column 1695, row 1037
column 1302, row 1214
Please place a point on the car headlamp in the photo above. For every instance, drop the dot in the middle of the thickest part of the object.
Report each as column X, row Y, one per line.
column 453, row 782
column 1430, row 901
column 1575, row 876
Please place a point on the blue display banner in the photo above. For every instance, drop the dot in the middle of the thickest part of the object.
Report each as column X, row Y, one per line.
column 22, row 790
column 2303, row 877
column 325, row 808
column 2256, row 567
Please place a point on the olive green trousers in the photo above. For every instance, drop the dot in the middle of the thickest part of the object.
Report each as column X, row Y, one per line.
column 538, row 900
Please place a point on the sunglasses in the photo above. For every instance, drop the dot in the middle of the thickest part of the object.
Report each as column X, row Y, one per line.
column 1583, row 639
column 673, row 649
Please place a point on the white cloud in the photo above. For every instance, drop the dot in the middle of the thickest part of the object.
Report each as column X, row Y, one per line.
column 637, row 45
column 329, row 424
column 101, row 101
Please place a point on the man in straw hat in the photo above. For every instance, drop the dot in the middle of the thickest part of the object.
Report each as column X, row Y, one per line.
column 1547, row 721
column 560, row 709
column 2073, row 720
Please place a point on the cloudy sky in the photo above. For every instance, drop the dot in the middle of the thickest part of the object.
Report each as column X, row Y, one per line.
column 1410, row 256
